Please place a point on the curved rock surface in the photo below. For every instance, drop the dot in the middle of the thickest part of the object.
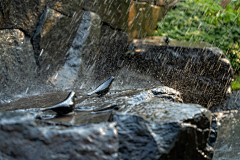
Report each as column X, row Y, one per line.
column 23, row 15
column 17, row 63
column 31, row 139
column 80, row 43
column 201, row 73
column 150, row 125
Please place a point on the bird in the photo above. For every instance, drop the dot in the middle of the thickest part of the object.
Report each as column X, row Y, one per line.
column 167, row 40
column 64, row 107
column 103, row 88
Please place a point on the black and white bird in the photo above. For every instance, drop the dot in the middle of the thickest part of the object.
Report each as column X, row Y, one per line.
column 167, row 40
column 64, row 107
column 103, row 88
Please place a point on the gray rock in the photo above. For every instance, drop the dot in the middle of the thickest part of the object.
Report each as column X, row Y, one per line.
column 167, row 93
column 113, row 43
column 81, row 53
column 17, row 63
column 66, row 7
column 114, row 12
column 24, row 138
column 150, row 125
column 57, row 34
column 202, row 74
column 173, row 130
column 21, row 15
column 68, row 47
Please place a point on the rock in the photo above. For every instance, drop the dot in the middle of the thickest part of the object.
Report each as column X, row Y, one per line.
column 167, row 3
column 173, row 130
column 17, row 67
column 227, row 144
column 74, row 63
column 57, row 35
column 135, row 140
column 143, row 19
column 180, row 131
column 201, row 73
column 113, row 43
column 41, row 141
column 232, row 103
column 167, row 93
column 113, row 12
column 85, row 47
column 66, row 7
column 21, row 15
column 147, row 126
column 138, row 19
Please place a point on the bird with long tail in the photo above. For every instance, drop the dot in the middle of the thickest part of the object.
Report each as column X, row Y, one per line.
column 64, row 107
column 103, row 88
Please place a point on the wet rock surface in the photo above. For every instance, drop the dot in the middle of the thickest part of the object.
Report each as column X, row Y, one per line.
column 56, row 39
column 32, row 139
column 116, row 14
column 54, row 47
column 149, row 126
column 202, row 74
column 65, row 7
column 23, row 15
column 16, row 63
column 227, row 120
column 227, row 144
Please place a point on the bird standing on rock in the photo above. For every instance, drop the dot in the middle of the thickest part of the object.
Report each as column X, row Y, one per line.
column 103, row 88
column 167, row 40
column 64, row 107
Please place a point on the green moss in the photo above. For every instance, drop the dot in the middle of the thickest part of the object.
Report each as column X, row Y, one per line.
column 205, row 20
column 236, row 83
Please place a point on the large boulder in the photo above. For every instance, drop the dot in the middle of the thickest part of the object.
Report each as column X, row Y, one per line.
column 22, row 137
column 137, row 18
column 63, row 66
column 180, row 131
column 143, row 19
column 56, row 37
column 151, row 123
column 66, row 7
column 23, row 14
column 202, row 73
column 17, row 63
column 114, row 12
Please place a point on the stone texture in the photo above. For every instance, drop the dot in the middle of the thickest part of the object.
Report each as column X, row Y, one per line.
column 143, row 19
column 107, row 60
column 202, row 74
column 227, row 144
column 57, row 34
column 30, row 139
column 21, row 14
column 113, row 12
column 17, row 63
column 160, row 2
column 148, row 125
column 82, row 52
column 78, row 59
column 173, row 130
column 66, row 7
column 139, row 19
column 180, row 131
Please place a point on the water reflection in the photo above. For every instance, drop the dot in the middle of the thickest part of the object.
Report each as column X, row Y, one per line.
column 83, row 117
